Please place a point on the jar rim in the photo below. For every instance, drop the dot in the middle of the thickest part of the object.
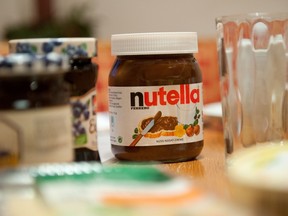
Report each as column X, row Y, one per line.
column 154, row 43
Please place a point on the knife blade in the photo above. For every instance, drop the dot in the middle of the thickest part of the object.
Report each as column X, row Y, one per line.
column 147, row 128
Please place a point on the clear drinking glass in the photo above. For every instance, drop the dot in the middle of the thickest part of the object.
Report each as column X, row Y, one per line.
column 253, row 64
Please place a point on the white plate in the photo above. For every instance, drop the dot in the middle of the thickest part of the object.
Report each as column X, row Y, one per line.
column 213, row 109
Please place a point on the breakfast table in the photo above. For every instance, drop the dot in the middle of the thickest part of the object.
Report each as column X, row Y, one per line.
column 203, row 189
column 208, row 169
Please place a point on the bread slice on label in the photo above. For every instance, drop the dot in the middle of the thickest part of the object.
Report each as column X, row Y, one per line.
column 164, row 126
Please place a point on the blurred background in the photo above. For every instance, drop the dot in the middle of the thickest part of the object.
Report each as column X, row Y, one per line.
column 100, row 19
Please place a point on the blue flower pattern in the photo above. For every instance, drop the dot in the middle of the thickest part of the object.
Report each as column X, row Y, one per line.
column 74, row 51
column 25, row 48
column 48, row 47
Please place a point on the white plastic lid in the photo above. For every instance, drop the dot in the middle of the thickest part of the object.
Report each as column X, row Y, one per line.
column 73, row 47
column 154, row 43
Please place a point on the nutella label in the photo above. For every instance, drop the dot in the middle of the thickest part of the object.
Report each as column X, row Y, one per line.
column 156, row 115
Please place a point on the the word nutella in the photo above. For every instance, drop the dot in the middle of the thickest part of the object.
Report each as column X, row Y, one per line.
column 155, row 97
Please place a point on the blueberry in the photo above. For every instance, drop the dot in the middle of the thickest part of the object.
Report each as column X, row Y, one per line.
column 81, row 52
column 77, row 124
column 79, row 105
column 24, row 48
column 71, row 50
column 76, row 112
column 86, row 114
column 76, row 103
column 47, row 47
column 82, row 130
column 84, row 107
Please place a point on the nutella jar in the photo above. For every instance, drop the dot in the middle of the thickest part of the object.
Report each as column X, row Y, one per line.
column 155, row 97
column 82, row 79
column 35, row 114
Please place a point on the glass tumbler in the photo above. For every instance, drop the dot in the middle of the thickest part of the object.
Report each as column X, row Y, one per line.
column 253, row 65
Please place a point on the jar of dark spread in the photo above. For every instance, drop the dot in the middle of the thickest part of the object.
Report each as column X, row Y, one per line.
column 35, row 114
column 155, row 97
column 82, row 79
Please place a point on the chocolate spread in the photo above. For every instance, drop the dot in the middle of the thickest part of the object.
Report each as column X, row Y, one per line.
column 163, row 123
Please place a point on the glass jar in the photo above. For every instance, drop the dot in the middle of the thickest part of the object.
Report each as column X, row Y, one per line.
column 35, row 120
column 82, row 79
column 155, row 97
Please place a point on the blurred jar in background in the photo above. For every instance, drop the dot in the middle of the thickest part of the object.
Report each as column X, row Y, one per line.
column 82, row 79
column 35, row 120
